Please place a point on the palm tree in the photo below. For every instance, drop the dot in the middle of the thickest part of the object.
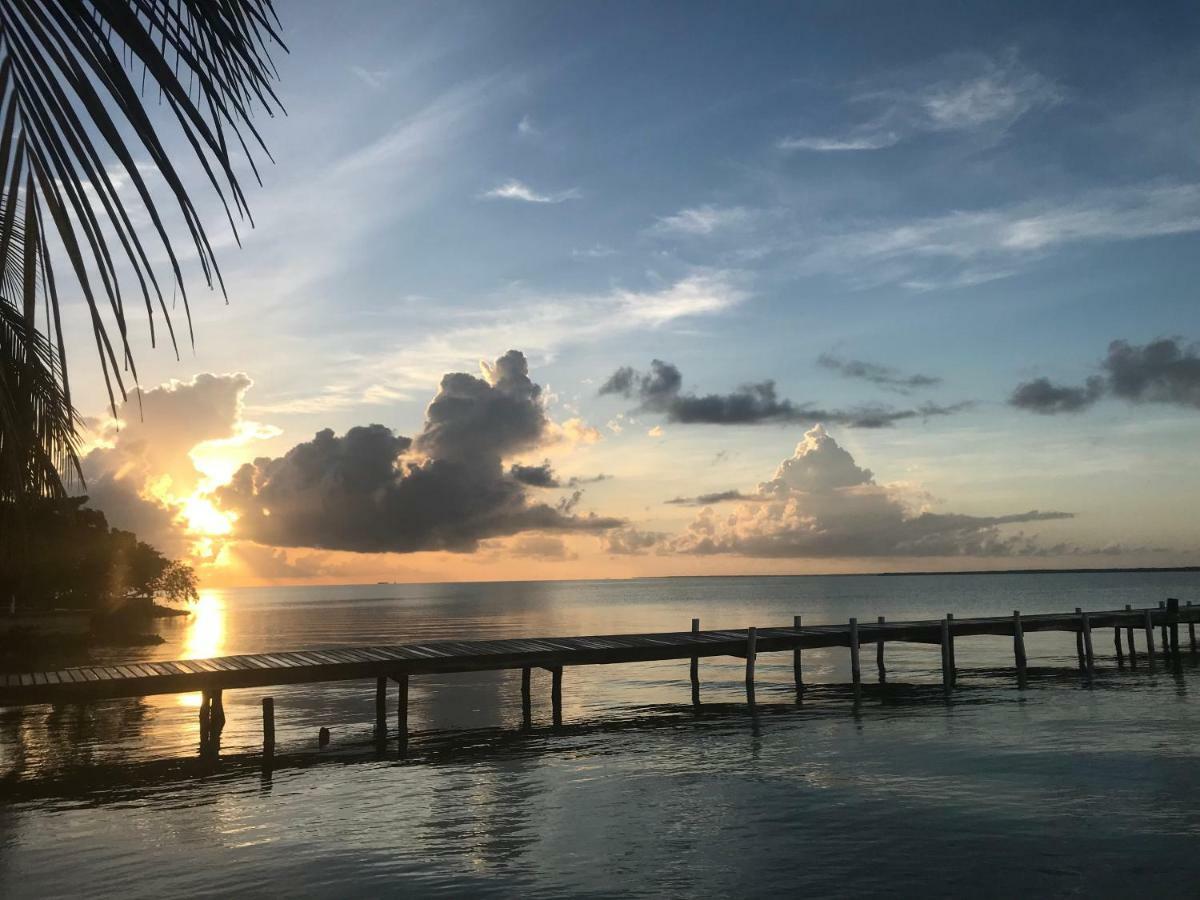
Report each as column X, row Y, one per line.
column 78, row 150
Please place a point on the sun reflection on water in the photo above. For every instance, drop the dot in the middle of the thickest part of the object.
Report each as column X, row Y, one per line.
column 205, row 634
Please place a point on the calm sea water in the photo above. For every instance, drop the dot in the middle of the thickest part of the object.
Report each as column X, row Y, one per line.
column 1059, row 790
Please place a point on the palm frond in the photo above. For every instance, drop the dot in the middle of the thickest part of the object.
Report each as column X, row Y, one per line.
column 74, row 126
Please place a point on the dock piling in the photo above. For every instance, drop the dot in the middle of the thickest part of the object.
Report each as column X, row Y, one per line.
column 695, row 668
column 1129, row 639
column 879, row 653
column 1117, row 648
column 268, row 713
column 381, row 708
column 402, row 713
column 1019, row 648
column 1085, row 626
column 1173, row 618
column 1192, row 633
column 1150, row 640
column 953, row 661
column 556, row 693
column 751, row 652
column 798, row 675
column 1166, row 638
column 855, row 668
column 1079, row 641
column 526, row 702
column 946, row 680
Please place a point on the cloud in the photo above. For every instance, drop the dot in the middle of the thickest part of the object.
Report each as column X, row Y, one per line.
column 884, row 376
column 709, row 499
column 596, row 251
column 576, row 480
column 971, row 93
column 631, row 541
column 372, row 78
column 820, row 503
column 839, row 145
column 516, row 190
column 1043, row 396
column 541, row 546
column 526, row 127
column 535, row 476
column 1165, row 371
column 701, row 220
column 273, row 563
column 148, row 462
column 371, row 490
column 660, row 391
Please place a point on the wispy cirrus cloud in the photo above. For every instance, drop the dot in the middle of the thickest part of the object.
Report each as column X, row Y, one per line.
column 518, row 190
column 701, row 220
column 969, row 93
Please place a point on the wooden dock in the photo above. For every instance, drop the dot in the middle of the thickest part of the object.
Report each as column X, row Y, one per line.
column 401, row 662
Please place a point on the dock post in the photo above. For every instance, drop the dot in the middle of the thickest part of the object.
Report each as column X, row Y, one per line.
column 556, row 693
column 1129, row 639
column 268, row 707
column 798, row 675
column 879, row 653
column 946, row 682
column 1079, row 640
column 1117, row 648
column 1085, row 626
column 402, row 713
column 381, row 708
column 526, row 702
column 205, row 721
column 1019, row 648
column 1173, row 617
column 855, row 668
column 1166, row 639
column 695, row 668
column 953, row 661
column 1150, row 640
column 1192, row 633
column 751, row 644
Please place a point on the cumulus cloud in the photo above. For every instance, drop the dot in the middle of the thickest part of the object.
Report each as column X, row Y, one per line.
column 1164, row 371
column 144, row 463
column 517, row 190
column 661, row 391
column 821, row 503
column 535, row 476
column 883, row 376
column 631, row 541
column 541, row 546
column 709, row 499
column 372, row 490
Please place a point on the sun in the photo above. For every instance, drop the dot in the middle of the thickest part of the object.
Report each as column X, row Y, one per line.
column 202, row 518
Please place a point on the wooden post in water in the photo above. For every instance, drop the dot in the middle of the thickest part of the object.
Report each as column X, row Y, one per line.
column 381, row 708
column 1019, row 648
column 855, row 668
column 953, row 661
column 268, row 706
column 526, row 702
column 695, row 668
column 402, row 713
column 1173, row 617
column 1129, row 640
column 1079, row 640
column 798, row 675
column 1192, row 633
column 946, row 682
column 751, row 645
column 1089, row 655
column 1117, row 645
column 1166, row 640
column 556, row 693
column 205, row 721
column 1150, row 640
column 879, row 653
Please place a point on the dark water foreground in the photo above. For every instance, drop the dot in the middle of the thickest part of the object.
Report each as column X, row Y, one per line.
column 1060, row 790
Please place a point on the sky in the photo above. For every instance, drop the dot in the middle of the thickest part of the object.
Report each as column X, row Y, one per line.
column 608, row 290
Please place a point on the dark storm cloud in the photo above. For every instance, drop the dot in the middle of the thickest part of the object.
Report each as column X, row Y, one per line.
column 660, row 391
column 372, row 490
column 883, row 376
column 1162, row 371
column 575, row 480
